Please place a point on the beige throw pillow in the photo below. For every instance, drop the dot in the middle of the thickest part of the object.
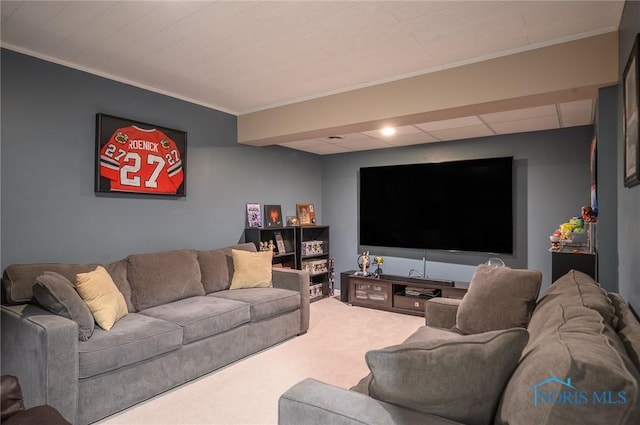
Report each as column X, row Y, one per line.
column 101, row 295
column 498, row 298
column 251, row 269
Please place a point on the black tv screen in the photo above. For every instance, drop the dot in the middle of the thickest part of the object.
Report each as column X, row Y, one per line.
column 457, row 206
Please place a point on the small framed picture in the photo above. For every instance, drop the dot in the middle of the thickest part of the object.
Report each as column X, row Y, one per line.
column 254, row 215
column 631, row 127
column 273, row 216
column 292, row 220
column 306, row 214
column 279, row 242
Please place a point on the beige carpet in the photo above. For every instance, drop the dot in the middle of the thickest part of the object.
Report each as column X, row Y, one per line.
column 247, row 392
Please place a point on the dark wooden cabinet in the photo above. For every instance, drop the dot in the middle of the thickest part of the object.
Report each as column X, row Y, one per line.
column 562, row 262
column 400, row 294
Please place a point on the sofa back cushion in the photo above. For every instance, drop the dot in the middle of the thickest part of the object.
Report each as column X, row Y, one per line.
column 498, row 298
column 573, row 289
column 575, row 371
column 628, row 328
column 216, row 267
column 163, row 277
column 458, row 377
column 118, row 272
column 18, row 279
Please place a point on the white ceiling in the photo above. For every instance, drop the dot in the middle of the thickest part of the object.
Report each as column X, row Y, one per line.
column 245, row 56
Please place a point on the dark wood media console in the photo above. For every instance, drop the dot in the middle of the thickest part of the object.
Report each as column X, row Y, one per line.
column 401, row 294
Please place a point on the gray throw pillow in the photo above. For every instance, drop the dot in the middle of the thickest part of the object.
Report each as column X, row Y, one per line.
column 460, row 377
column 56, row 294
column 498, row 298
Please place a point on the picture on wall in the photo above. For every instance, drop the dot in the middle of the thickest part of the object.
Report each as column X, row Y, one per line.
column 273, row 215
column 306, row 214
column 254, row 215
column 136, row 157
column 631, row 81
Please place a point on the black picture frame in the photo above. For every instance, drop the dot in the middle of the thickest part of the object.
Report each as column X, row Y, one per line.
column 631, row 91
column 139, row 158
column 273, row 216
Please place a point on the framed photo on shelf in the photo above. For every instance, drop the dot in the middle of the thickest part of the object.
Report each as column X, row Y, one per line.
column 273, row 216
column 279, row 242
column 292, row 220
column 631, row 89
column 254, row 215
column 306, row 214
column 141, row 158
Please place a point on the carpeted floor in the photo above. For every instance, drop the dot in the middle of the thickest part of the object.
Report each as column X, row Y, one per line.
column 247, row 392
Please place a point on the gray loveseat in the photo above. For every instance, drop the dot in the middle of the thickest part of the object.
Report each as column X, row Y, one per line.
column 183, row 322
column 578, row 361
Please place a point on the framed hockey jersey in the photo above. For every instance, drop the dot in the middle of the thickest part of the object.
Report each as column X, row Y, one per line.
column 137, row 157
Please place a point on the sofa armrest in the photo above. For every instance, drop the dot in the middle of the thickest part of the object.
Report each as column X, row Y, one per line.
column 441, row 312
column 313, row 402
column 295, row 280
column 41, row 350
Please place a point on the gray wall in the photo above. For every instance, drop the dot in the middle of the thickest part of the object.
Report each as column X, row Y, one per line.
column 607, row 187
column 49, row 209
column 552, row 183
column 628, row 198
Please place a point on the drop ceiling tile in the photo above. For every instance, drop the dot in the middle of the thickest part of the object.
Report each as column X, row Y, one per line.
column 462, row 132
column 363, row 145
column 450, row 124
column 521, row 126
column 411, row 139
column 576, row 113
column 520, row 114
column 300, row 144
column 400, row 131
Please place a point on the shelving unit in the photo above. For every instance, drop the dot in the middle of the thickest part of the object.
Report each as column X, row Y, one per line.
column 400, row 294
column 288, row 258
column 312, row 249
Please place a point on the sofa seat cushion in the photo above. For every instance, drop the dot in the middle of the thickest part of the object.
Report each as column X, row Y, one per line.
column 201, row 317
column 264, row 302
column 575, row 371
column 134, row 338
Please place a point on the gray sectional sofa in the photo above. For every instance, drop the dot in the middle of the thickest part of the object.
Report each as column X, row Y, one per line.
column 183, row 322
column 577, row 362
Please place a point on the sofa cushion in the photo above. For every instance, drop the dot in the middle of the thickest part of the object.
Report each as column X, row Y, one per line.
column 56, row 294
column 101, row 296
column 264, row 302
column 132, row 339
column 118, row 272
column 458, row 377
column 628, row 327
column 163, row 277
column 18, row 279
column 216, row 266
column 579, row 356
column 498, row 298
column 251, row 269
column 573, row 289
column 201, row 317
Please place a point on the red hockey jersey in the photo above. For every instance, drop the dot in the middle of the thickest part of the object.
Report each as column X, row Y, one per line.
column 138, row 160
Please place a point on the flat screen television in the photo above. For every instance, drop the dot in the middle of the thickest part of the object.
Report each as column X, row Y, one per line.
column 456, row 206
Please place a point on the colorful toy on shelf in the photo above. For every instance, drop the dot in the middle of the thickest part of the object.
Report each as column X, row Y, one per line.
column 588, row 214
